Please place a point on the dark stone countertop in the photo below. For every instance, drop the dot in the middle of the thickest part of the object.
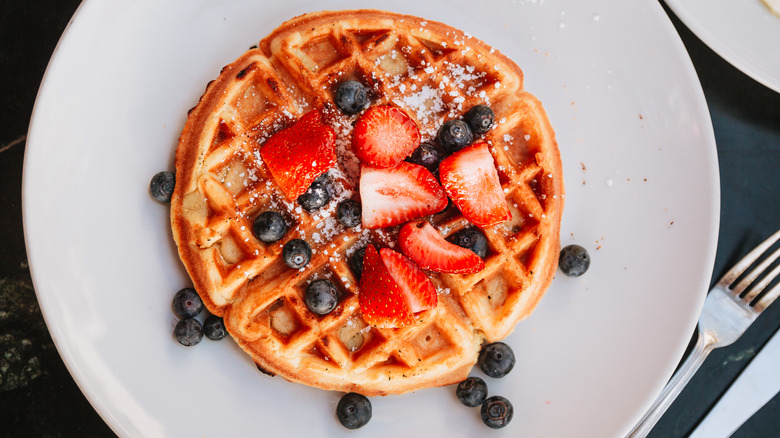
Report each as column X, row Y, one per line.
column 38, row 397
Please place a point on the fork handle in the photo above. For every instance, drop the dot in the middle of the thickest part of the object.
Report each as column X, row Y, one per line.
column 704, row 345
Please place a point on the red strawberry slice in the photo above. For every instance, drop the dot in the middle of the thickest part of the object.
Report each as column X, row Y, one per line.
column 393, row 289
column 382, row 302
column 395, row 195
column 420, row 293
column 425, row 246
column 384, row 135
column 470, row 178
column 297, row 155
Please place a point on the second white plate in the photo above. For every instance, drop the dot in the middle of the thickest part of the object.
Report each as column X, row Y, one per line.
column 744, row 33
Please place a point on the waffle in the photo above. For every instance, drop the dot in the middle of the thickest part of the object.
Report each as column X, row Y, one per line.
column 432, row 71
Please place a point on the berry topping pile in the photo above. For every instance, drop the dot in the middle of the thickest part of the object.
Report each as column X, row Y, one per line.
column 401, row 181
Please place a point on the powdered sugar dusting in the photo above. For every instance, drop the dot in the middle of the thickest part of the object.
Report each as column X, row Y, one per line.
column 425, row 103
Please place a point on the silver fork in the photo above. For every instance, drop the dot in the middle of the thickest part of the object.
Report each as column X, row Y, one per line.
column 729, row 309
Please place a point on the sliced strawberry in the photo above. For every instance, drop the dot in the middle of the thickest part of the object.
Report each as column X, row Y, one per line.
column 299, row 154
column 382, row 302
column 470, row 178
column 425, row 246
column 395, row 195
column 384, row 135
column 420, row 293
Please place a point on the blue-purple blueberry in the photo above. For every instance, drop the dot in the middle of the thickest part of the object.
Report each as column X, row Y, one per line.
column 188, row 332
column 353, row 410
column 496, row 359
column 187, row 303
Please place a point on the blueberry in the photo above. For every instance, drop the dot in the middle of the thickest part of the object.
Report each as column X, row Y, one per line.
column 472, row 392
column 426, row 155
column 296, row 253
column 188, row 332
column 454, row 135
column 496, row 412
column 316, row 195
column 351, row 97
column 356, row 262
column 321, row 296
column 348, row 213
column 496, row 359
column 472, row 239
column 187, row 303
column 269, row 227
column 162, row 186
column 479, row 119
column 214, row 328
column 574, row 260
column 353, row 410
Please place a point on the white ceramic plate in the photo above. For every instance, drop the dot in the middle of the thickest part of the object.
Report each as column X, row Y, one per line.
column 744, row 33
column 640, row 168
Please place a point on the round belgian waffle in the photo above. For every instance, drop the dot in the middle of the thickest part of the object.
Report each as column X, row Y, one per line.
column 432, row 71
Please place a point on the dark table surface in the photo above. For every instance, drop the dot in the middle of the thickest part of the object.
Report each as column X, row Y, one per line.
column 38, row 398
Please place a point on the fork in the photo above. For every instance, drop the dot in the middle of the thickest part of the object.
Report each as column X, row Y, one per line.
column 729, row 309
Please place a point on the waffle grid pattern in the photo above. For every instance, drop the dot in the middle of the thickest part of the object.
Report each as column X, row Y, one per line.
column 432, row 71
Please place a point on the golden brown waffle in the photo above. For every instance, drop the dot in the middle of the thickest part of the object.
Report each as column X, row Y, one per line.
column 435, row 73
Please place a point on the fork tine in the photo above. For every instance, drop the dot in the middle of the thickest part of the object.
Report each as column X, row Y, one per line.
column 750, row 277
column 767, row 299
column 756, row 290
column 740, row 267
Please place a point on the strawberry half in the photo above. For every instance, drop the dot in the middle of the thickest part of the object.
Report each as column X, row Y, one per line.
column 417, row 288
column 395, row 195
column 471, row 180
column 384, row 135
column 381, row 301
column 297, row 155
column 391, row 287
column 425, row 246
